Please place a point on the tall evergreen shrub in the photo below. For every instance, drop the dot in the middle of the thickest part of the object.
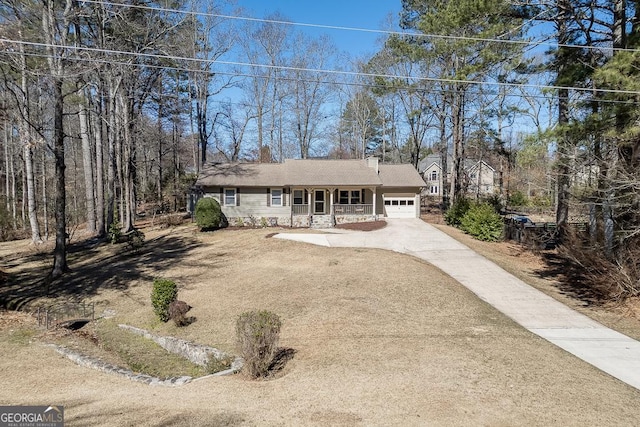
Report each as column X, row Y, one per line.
column 483, row 222
column 454, row 215
column 208, row 213
column 164, row 292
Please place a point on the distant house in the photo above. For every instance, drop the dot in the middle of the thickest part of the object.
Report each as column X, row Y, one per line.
column 479, row 176
column 317, row 193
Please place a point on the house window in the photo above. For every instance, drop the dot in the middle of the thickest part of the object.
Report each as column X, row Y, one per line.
column 434, row 176
column 344, row 197
column 347, row 197
column 434, row 189
column 230, row 196
column 298, row 197
column 276, row 197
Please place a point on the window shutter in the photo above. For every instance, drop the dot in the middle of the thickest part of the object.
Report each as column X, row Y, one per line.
column 221, row 196
column 237, row 197
column 362, row 196
column 284, row 198
column 268, row 197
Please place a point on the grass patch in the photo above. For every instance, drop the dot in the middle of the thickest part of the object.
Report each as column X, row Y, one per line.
column 143, row 355
column 21, row 336
column 103, row 339
column 218, row 365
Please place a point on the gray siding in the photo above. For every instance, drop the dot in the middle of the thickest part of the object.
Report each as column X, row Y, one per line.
column 252, row 203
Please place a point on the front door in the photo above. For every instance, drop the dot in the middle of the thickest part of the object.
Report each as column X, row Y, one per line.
column 318, row 204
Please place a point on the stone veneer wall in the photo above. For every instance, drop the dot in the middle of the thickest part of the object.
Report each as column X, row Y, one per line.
column 349, row 219
column 299, row 221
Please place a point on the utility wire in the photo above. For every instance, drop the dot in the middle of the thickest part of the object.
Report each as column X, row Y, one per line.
column 280, row 77
column 314, row 70
column 363, row 30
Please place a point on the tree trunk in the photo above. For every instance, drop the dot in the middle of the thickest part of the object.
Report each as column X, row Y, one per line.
column 99, row 189
column 27, row 143
column 563, row 169
column 444, row 154
column 60, row 250
column 12, row 173
column 87, row 162
column 7, row 160
column 111, row 155
column 45, row 201
column 457, row 187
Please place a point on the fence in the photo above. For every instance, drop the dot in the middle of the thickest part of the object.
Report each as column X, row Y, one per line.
column 538, row 235
column 57, row 313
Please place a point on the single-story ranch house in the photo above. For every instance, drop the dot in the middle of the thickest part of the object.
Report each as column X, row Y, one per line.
column 312, row 193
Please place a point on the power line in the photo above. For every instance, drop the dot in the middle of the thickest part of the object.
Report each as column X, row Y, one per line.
column 452, row 81
column 280, row 77
column 364, row 30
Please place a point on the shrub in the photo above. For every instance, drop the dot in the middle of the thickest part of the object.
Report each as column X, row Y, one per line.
column 5, row 221
column 177, row 310
column 518, row 198
column 482, row 222
column 163, row 294
column 454, row 215
column 257, row 333
column 208, row 213
column 135, row 240
column 496, row 202
column 541, row 201
column 115, row 232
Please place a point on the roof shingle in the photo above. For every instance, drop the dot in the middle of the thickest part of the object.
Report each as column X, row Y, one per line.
column 308, row 173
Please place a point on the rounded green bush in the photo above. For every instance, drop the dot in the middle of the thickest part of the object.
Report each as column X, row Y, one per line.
column 483, row 222
column 164, row 292
column 208, row 213
column 258, row 333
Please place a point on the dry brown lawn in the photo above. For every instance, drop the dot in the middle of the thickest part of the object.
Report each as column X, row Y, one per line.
column 381, row 339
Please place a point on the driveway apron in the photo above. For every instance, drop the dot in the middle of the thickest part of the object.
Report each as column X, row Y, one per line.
column 612, row 352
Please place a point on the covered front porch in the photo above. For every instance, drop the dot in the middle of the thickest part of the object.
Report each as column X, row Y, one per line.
column 342, row 205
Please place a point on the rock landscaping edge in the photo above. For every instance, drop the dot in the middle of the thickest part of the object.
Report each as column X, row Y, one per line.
column 196, row 353
column 94, row 363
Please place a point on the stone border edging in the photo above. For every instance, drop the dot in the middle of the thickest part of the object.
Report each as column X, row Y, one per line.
column 94, row 363
column 196, row 353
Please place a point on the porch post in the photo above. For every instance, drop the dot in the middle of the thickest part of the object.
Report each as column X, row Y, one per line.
column 309, row 200
column 331, row 200
column 375, row 196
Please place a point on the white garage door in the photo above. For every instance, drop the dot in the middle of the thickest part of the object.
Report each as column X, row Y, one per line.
column 400, row 207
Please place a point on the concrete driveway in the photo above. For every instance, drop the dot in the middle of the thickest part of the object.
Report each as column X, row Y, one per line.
column 604, row 348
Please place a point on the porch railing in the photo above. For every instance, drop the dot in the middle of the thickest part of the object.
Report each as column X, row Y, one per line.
column 353, row 209
column 337, row 209
column 300, row 209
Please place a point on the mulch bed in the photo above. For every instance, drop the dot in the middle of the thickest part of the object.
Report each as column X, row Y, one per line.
column 363, row 226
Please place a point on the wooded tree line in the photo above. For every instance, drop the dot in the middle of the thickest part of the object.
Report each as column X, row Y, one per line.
column 589, row 71
column 104, row 105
